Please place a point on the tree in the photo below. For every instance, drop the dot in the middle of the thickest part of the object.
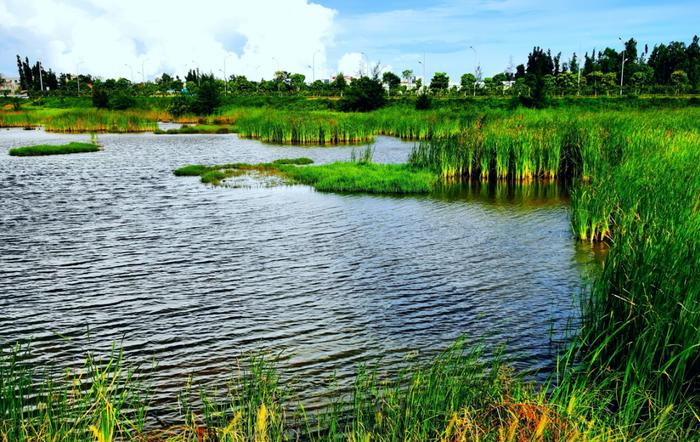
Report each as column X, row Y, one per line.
column 392, row 81
column 539, row 64
column 208, row 96
column 440, row 82
column 339, row 84
column 407, row 75
column 100, row 98
column 566, row 83
column 363, row 95
column 468, row 83
column 679, row 81
column 594, row 79
column 297, row 81
column 609, row 82
column 641, row 78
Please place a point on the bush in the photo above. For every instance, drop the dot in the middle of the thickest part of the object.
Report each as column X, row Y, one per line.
column 181, row 105
column 100, row 99
column 423, row 102
column 121, row 101
column 364, row 94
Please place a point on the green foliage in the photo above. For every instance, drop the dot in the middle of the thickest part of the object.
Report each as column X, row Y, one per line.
column 440, row 82
column 423, row 102
column 208, row 96
column 363, row 95
column 47, row 149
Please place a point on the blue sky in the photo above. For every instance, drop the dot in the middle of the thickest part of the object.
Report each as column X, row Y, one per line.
column 398, row 32
column 320, row 37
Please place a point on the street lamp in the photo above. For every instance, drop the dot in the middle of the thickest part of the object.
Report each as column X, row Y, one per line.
column 476, row 67
column 225, row 77
column 77, row 69
column 313, row 63
column 622, row 74
column 143, row 75
column 423, row 64
column 41, row 77
column 278, row 63
column 131, row 70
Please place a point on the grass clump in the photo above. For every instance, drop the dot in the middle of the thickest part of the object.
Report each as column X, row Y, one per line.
column 196, row 129
column 354, row 176
column 363, row 178
column 298, row 161
column 48, row 149
column 102, row 401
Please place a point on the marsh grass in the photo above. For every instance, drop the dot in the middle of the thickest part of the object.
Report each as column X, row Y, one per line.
column 48, row 149
column 83, row 120
column 196, row 129
column 102, row 401
column 460, row 394
column 354, row 176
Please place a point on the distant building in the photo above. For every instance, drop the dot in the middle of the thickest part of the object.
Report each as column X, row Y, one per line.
column 409, row 83
column 348, row 79
column 10, row 84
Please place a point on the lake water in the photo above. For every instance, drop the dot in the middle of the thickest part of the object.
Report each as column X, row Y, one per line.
column 110, row 246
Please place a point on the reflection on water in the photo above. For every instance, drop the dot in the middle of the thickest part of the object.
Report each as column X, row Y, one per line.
column 194, row 276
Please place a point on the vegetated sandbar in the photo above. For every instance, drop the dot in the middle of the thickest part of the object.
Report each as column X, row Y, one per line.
column 364, row 177
column 53, row 149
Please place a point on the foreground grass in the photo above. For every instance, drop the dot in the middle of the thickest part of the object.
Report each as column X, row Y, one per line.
column 365, row 177
column 48, row 149
column 453, row 397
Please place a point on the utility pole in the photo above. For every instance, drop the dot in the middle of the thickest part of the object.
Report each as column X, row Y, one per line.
column 622, row 75
column 422, row 63
column 41, row 78
column 476, row 67
column 313, row 64
column 77, row 68
column 131, row 70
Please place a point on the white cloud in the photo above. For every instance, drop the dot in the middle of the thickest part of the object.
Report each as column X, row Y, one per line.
column 118, row 38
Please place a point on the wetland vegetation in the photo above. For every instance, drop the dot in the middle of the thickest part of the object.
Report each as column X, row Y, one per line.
column 631, row 371
column 51, row 149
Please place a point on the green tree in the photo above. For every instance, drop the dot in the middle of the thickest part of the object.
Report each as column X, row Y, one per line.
column 440, row 82
column 392, row 81
column 298, row 82
column 407, row 75
column 641, row 78
column 679, row 81
column 364, row 94
column 594, row 80
column 208, row 96
column 609, row 82
column 339, row 84
column 468, row 83
column 566, row 83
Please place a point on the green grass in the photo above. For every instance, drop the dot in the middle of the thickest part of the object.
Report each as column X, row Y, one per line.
column 197, row 129
column 365, row 177
column 48, row 149
column 457, row 395
column 84, row 120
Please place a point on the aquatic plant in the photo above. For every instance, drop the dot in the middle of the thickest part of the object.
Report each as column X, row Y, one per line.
column 48, row 149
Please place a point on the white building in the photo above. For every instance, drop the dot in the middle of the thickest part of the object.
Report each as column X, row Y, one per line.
column 11, row 85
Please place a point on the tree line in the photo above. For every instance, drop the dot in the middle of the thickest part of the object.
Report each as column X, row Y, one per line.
column 672, row 68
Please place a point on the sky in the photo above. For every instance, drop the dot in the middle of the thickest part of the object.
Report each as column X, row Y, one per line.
column 138, row 39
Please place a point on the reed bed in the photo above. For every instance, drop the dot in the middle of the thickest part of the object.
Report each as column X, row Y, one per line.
column 457, row 395
column 84, row 120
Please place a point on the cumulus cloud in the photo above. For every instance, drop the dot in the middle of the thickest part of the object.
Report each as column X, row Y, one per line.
column 129, row 37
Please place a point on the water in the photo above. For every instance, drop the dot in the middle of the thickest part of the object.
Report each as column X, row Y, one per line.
column 194, row 276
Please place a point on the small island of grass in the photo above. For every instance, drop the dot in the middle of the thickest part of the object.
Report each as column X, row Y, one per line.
column 358, row 177
column 49, row 149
